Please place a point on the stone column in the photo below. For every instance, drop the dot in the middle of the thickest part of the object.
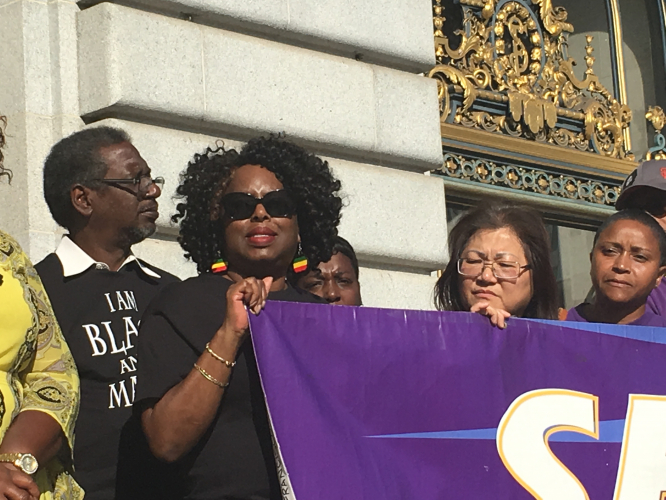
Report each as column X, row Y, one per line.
column 39, row 95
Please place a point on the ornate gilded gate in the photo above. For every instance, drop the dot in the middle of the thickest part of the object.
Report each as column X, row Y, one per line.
column 517, row 122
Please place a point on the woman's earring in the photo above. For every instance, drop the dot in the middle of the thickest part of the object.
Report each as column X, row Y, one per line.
column 301, row 261
column 219, row 266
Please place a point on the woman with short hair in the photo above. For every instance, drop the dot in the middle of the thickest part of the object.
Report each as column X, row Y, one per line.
column 499, row 265
column 246, row 218
column 628, row 261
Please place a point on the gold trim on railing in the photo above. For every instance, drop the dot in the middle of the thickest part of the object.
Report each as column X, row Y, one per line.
column 614, row 6
column 570, row 187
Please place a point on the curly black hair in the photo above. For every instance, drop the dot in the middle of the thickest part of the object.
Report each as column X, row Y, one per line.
column 3, row 171
column 307, row 179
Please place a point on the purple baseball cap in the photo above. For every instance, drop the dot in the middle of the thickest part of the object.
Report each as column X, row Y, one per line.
column 651, row 174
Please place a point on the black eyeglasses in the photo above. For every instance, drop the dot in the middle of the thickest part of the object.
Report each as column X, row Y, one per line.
column 141, row 184
column 239, row 206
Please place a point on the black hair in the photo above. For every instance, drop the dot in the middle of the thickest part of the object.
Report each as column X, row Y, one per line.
column 342, row 246
column 76, row 160
column 643, row 218
column 307, row 179
column 3, row 171
column 528, row 226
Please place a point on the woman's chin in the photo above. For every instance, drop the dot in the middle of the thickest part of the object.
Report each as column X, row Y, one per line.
column 264, row 260
column 261, row 254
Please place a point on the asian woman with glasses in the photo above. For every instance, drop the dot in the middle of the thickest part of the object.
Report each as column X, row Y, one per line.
column 499, row 265
column 246, row 218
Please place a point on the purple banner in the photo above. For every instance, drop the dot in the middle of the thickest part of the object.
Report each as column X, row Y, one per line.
column 388, row 404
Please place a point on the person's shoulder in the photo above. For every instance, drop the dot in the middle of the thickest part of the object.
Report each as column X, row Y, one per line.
column 50, row 272
column 651, row 319
column 11, row 248
column 165, row 276
column 49, row 265
column 656, row 301
column 8, row 241
column 575, row 313
column 12, row 253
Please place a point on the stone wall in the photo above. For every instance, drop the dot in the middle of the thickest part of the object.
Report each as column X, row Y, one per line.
column 339, row 77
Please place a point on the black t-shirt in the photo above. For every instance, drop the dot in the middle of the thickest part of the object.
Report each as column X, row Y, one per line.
column 99, row 312
column 234, row 458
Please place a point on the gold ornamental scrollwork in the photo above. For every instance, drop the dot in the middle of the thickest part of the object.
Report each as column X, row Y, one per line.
column 656, row 116
column 505, row 69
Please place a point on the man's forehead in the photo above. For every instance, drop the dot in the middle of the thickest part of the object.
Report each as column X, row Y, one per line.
column 122, row 157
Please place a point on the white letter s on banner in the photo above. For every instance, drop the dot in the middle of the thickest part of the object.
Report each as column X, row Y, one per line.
column 522, row 440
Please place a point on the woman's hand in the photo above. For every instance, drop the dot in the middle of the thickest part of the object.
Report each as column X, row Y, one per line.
column 250, row 293
column 497, row 316
column 16, row 484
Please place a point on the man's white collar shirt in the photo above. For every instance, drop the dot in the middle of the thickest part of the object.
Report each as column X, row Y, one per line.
column 75, row 261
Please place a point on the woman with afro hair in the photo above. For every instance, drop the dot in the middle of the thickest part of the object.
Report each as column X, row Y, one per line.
column 246, row 218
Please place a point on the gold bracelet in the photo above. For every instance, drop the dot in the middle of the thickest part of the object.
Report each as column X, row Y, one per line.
column 208, row 376
column 229, row 364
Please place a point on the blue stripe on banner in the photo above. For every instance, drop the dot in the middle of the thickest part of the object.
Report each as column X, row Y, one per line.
column 464, row 434
column 610, row 431
column 652, row 334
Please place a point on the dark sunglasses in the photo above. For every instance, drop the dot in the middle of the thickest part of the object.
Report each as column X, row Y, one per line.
column 239, row 206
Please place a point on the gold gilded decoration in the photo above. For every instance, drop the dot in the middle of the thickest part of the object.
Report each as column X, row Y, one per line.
column 505, row 69
column 539, row 181
column 613, row 7
column 655, row 115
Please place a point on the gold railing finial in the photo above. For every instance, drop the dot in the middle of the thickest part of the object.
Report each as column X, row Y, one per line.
column 655, row 115
column 438, row 18
column 589, row 59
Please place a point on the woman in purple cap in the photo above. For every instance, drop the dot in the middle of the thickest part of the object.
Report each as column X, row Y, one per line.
column 628, row 261
column 645, row 189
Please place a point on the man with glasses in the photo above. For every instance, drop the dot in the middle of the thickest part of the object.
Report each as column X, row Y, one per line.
column 645, row 189
column 101, row 190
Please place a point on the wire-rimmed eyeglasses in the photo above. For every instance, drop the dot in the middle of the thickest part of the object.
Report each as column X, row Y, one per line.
column 473, row 266
column 140, row 185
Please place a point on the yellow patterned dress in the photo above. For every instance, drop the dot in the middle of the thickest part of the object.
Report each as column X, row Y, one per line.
column 37, row 371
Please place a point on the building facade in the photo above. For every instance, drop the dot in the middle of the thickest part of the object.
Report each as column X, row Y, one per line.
column 547, row 102
column 344, row 79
